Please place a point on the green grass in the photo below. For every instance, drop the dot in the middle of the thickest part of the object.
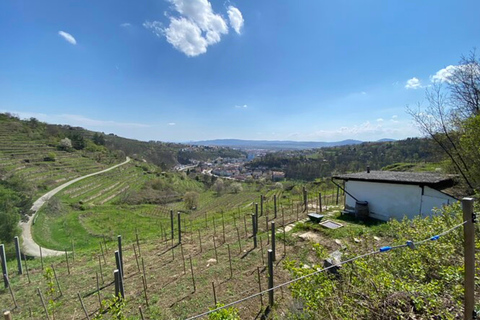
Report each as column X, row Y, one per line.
column 352, row 227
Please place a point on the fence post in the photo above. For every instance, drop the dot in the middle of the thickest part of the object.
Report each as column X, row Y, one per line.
column 179, row 228
column 320, row 201
column 116, row 277
column 19, row 255
column 120, row 253
column 118, row 264
column 261, row 205
column 275, row 206
column 4, row 265
column 338, row 191
column 469, row 257
column 171, row 223
column 305, row 199
column 273, row 238
column 270, row 277
column 254, row 231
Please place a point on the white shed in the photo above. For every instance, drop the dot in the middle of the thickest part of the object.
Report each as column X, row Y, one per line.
column 394, row 195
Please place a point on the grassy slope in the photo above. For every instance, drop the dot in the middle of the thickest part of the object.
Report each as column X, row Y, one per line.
column 170, row 290
column 23, row 152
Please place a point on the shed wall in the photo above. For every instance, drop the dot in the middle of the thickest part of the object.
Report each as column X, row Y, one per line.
column 394, row 201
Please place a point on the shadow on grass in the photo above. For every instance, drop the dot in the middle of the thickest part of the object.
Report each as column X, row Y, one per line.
column 246, row 253
column 369, row 222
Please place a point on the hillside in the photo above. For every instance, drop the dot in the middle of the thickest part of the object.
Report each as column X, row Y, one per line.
column 37, row 157
column 215, row 259
column 314, row 163
column 174, row 281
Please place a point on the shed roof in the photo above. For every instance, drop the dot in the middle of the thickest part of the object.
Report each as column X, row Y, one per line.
column 421, row 178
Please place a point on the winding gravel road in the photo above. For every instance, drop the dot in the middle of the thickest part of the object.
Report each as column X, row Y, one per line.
column 30, row 247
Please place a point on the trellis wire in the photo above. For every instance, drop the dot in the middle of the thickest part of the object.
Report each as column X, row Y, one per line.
column 410, row 244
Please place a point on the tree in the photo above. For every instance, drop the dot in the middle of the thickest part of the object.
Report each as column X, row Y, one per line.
column 449, row 118
column 98, row 139
column 219, row 186
column 9, row 213
column 236, row 187
column 191, row 200
column 65, row 144
column 78, row 142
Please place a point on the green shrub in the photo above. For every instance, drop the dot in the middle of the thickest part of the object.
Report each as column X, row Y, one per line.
column 424, row 283
column 224, row 314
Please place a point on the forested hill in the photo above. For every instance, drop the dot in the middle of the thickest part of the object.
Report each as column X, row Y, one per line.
column 315, row 163
column 163, row 154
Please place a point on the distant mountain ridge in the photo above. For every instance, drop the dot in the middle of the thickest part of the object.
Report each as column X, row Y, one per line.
column 277, row 144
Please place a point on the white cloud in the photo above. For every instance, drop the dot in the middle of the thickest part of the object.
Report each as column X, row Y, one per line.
column 363, row 93
column 444, row 74
column 126, row 24
column 171, row 123
column 367, row 131
column 241, row 107
column 379, row 120
column 68, row 37
column 236, row 19
column 186, row 36
column 196, row 27
column 413, row 83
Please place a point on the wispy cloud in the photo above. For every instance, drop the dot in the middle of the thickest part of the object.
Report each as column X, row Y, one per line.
column 195, row 26
column 367, row 130
column 126, row 25
column 171, row 123
column 236, row 19
column 68, row 37
column 241, row 107
column 77, row 120
column 84, row 121
column 413, row 83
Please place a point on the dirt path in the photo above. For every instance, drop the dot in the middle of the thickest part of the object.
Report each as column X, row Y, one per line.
column 30, row 247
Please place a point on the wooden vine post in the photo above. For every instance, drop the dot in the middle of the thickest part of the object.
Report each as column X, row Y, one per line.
column 7, row 315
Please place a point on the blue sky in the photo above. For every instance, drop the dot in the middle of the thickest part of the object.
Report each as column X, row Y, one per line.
column 183, row 70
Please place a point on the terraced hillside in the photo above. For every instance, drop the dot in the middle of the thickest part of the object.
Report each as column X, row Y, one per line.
column 27, row 154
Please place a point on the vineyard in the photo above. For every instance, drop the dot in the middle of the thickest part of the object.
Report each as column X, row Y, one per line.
column 216, row 261
column 31, row 159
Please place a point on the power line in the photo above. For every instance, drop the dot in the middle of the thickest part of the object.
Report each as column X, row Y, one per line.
column 411, row 244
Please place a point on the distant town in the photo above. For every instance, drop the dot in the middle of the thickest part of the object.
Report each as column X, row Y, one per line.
column 234, row 168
